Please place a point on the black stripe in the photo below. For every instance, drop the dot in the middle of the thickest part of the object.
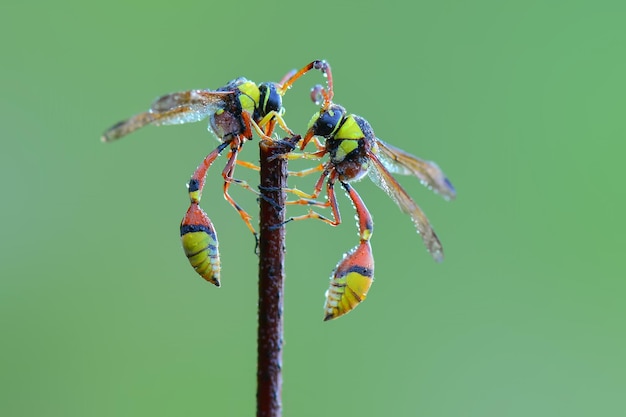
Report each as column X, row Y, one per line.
column 222, row 146
column 191, row 228
column 210, row 248
column 194, row 185
column 361, row 270
column 355, row 295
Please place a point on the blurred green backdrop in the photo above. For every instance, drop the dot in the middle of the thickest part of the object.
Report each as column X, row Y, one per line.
column 520, row 102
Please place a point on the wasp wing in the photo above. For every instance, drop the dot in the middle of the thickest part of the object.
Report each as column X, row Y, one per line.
column 398, row 161
column 383, row 178
column 176, row 108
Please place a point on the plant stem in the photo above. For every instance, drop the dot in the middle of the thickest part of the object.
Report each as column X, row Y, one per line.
column 271, row 275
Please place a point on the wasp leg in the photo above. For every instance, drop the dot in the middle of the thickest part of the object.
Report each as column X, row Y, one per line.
column 270, row 120
column 309, row 200
column 227, row 174
column 252, row 125
column 248, row 165
column 305, row 155
column 307, row 171
column 197, row 233
column 242, row 183
column 287, row 76
column 320, row 147
column 305, row 198
column 353, row 276
column 235, row 146
column 320, row 65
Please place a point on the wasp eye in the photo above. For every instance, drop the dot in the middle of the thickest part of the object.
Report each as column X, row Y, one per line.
column 270, row 99
column 327, row 122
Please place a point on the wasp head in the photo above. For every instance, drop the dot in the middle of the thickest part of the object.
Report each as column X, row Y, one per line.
column 326, row 122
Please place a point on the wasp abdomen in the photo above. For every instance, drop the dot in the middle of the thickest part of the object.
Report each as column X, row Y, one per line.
column 351, row 280
column 200, row 244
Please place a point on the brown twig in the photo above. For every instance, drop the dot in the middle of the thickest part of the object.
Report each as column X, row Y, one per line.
column 271, row 275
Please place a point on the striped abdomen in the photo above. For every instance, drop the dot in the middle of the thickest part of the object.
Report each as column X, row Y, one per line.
column 200, row 244
column 351, row 280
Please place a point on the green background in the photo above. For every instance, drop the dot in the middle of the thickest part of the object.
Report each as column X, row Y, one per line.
column 521, row 103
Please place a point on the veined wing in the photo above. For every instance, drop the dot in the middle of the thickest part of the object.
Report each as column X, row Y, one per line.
column 398, row 161
column 387, row 182
column 176, row 108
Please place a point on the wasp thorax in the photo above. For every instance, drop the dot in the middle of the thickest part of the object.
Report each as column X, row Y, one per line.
column 270, row 100
column 328, row 121
column 249, row 96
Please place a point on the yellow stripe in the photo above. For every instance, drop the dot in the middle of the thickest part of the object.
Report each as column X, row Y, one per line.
column 345, row 293
column 201, row 250
column 349, row 130
column 345, row 147
column 194, row 196
column 250, row 96
column 359, row 284
column 195, row 242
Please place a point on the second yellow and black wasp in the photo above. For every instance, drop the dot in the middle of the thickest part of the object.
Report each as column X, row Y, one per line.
column 235, row 111
column 354, row 151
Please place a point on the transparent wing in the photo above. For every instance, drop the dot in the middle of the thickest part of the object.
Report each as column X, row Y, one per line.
column 176, row 108
column 398, row 161
column 381, row 177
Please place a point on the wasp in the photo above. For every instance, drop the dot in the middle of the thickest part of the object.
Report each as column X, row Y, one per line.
column 234, row 111
column 353, row 152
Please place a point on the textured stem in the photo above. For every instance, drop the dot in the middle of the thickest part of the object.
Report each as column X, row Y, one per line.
column 271, row 276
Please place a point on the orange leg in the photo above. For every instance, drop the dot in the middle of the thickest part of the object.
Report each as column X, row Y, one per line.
column 227, row 174
column 269, row 127
column 365, row 222
column 323, row 66
column 305, row 199
column 248, row 165
column 287, row 76
column 310, row 200
column 307, row 171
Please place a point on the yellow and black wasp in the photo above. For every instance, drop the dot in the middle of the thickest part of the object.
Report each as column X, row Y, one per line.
column 235, row 111
column 354, row 151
